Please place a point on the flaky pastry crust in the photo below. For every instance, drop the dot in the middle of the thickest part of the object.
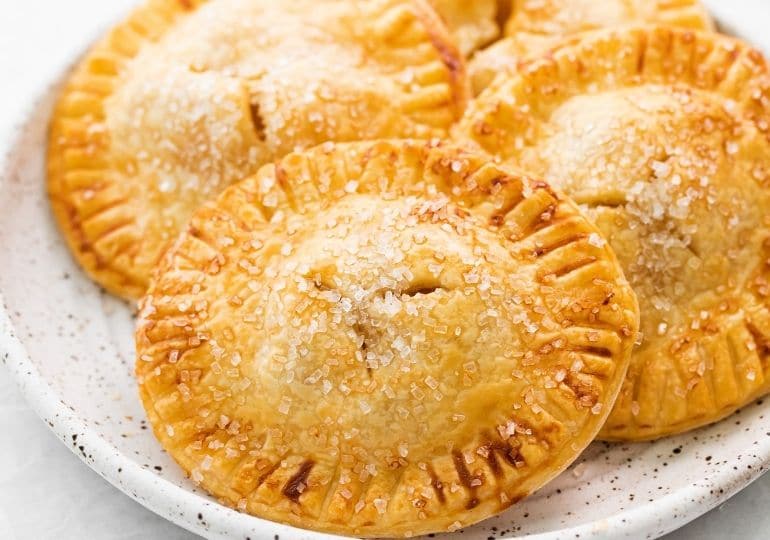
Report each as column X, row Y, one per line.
column 383, row 339
column 534, row 26
column 186, row 97
column 662, row 135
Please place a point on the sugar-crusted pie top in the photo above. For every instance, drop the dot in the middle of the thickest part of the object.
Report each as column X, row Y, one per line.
column 662, row 135
column 185, row 98
column 383, row 339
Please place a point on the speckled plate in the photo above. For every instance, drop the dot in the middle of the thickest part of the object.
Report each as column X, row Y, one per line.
column 69, row 346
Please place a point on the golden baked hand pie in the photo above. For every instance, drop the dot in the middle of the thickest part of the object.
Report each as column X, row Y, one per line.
column 383, row 339
column 662, row 135
column 473, row 23
column 186, row 97
column 536, row 25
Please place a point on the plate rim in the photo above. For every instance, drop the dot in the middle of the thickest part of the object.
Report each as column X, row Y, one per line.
column 152, row 491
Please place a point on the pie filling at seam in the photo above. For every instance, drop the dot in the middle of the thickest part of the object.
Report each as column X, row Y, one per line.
column 473, row 24
column 662, row 136
column 383, row 339
column 186, row 97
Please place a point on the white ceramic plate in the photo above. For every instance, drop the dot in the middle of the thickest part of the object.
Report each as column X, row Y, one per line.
column 69, row 346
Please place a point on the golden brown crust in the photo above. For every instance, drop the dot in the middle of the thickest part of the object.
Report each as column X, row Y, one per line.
column 78, row 157
column 154, row 121
column 383, row 339
column 535, row 26
column 662, row 135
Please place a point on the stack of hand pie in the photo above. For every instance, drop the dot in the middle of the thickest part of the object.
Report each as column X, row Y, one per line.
column 375, row 305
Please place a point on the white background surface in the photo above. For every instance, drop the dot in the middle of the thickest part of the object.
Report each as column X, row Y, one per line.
column 46, row 491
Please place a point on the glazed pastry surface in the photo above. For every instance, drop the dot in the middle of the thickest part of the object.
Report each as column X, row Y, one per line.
column 662, row 136
column 383, row 339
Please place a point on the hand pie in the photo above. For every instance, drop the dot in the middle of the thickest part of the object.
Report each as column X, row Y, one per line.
column 383, row 339
column 662, row 135
column 186, row 97
column 473, row 23
column 536, row 25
